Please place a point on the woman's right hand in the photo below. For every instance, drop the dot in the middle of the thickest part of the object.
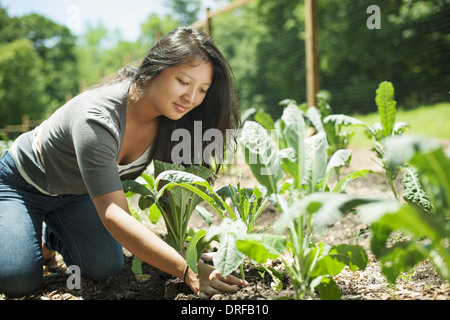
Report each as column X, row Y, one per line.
column 209, row 282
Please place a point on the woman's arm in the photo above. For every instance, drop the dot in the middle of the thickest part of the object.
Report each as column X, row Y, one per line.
column 143, row 243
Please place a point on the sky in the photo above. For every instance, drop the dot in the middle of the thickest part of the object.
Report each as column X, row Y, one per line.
column 124, row 15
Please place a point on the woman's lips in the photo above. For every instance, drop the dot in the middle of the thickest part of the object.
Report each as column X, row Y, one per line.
column 180, row 108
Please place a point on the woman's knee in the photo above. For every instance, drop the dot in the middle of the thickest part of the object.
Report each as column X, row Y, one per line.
column 20, row 281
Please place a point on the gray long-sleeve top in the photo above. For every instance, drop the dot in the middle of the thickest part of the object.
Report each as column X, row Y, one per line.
column 75, row 151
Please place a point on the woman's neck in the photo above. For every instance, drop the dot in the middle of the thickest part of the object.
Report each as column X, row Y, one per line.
column 139, row 110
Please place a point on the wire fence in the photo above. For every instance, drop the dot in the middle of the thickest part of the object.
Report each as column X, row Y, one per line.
column 410, row 49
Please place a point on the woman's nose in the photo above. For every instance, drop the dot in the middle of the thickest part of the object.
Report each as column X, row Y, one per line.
column 189, row 96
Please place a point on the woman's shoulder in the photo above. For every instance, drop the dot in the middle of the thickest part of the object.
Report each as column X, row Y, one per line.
column 110, row 95
column 107, row 102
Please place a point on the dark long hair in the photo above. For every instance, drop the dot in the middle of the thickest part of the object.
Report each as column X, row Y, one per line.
column 219, row 109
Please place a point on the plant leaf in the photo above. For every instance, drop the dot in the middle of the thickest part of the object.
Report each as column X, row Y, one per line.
column 413, row 192
column 294, row 135
column 265, row 119
column 395, row 216
column 228, row 257
column 343, row 120
column 261, row 155
column 136, row 187
column 328, row 289
column 428, row 157
column 205, row 214
column 340, row 256
column 192, row 251
column 260, row 247
column 342, row 184
column 136, row 266
column 339, row 159
column 315, row 159
column 154, row 213
column 313, row 115
column 176, row 176
column 386, row 106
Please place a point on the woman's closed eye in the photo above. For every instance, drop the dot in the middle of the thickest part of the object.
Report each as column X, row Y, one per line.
column 182, row 82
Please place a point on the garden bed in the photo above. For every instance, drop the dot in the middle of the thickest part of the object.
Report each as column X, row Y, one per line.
column 422, row 283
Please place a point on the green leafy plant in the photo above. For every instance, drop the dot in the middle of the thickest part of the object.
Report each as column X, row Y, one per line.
column 385, row 100
column 314, row 264
column 304, row 161
column 175, row 194
column 248, row 204
column 424, row 219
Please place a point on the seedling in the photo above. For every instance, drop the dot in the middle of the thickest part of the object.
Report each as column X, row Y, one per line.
column 379, row 131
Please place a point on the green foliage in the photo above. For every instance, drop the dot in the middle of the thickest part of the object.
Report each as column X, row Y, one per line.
column 21, row 81
column 377, row 132
column 314, row 264
column 259, row 152
column 305, row 160
column 173, row 196
column 248, row 202
column 227, row 258
column 185, row 10
column 294, row 173
column 37, row 67
column 310, row 206
column 424, row 220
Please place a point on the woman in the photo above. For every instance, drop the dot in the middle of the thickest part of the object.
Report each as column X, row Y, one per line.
column 68, row 171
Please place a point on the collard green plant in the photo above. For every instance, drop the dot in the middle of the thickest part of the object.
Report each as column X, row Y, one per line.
column 305, row 161
column 386, row 127
column 248, row 204
column 314, row 264
column 175, row 194
column 424, row 219
column 259, row 152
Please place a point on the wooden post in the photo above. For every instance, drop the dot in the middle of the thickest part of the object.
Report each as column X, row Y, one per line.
column 25, row 123
column 82, row 85
column 312, row 55
column 208, row 30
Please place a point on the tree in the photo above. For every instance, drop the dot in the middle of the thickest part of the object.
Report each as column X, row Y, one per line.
column 37, row 66
column 186, row 11
column 22, row 85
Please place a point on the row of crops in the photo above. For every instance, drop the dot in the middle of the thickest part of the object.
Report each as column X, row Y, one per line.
column 301, row 176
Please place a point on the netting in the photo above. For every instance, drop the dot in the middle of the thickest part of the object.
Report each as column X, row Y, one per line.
column 264, row 42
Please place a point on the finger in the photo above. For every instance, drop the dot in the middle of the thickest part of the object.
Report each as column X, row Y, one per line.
column 221, row 286
column 234, row 281
column 212, row 291
column 207, row 256
column 231, row 280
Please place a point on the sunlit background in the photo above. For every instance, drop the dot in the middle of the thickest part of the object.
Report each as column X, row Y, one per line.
column 50, row 50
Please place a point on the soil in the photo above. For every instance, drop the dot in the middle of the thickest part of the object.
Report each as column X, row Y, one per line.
column 421, row 283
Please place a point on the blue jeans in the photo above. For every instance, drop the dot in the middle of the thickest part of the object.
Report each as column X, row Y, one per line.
column 72, row 227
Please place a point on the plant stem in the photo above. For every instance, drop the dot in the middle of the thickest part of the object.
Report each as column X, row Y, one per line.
column 242, row 271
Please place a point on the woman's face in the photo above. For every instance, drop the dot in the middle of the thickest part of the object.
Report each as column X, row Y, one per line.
column 179, row 89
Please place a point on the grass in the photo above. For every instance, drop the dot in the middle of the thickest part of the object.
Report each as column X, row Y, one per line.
column 429, row 121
